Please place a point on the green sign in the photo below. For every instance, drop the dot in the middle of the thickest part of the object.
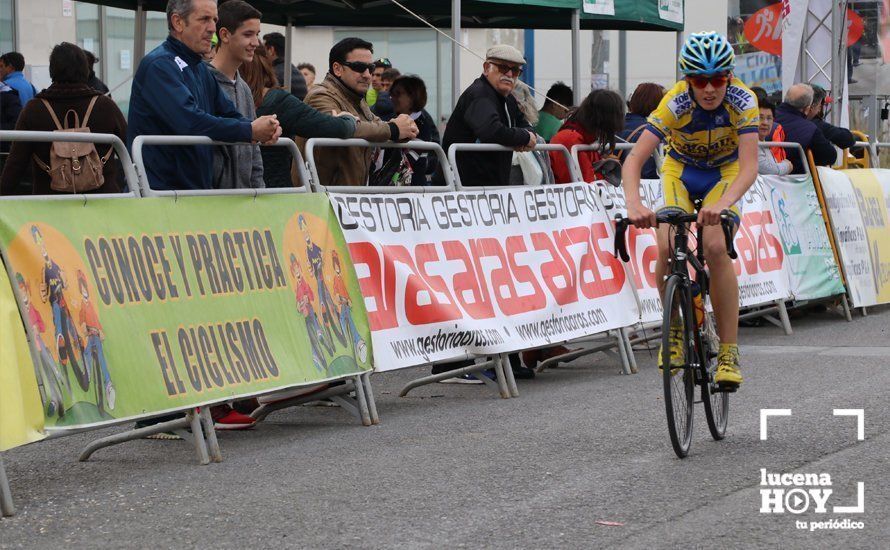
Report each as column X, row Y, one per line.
column 141, row 306
column 812, row 268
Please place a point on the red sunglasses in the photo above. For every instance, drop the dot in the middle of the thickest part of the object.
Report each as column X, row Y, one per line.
column 701, row 81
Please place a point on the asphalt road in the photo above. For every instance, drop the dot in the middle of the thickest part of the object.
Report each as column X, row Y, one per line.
column 455, row 466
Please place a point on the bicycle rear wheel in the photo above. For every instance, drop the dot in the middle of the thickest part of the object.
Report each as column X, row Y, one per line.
column 716, row 402
column 678, row 386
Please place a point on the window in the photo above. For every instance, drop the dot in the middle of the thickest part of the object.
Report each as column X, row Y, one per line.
column 7, row 26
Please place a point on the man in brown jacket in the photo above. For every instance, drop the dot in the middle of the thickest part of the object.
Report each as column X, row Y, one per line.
column 343, row 89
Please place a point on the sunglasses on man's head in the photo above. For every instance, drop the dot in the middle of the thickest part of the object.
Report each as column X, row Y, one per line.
column 508, row 69
column 701, row 81
column 359, row 66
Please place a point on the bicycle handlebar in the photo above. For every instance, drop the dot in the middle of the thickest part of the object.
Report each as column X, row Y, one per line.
column 727, row 222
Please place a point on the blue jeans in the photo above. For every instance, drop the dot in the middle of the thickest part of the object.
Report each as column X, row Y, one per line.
column 346, row 321
column 60, row 330
column 314, row 329
column 95, row 343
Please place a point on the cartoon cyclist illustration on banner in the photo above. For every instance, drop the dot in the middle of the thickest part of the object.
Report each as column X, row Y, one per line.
column 52, row 289
column 346, row 323
column 93, row 355
column 315, row 255
column 305, row 297
column 51, row 382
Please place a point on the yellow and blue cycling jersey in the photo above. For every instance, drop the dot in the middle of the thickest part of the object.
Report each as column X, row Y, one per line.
column 700, row 138
column 702, row 146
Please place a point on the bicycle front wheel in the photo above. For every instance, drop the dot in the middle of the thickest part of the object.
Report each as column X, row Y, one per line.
column 679, row 384
column 716, row 402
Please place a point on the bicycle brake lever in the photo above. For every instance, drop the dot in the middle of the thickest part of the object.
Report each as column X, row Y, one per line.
column 620, row 231
column 727, row 221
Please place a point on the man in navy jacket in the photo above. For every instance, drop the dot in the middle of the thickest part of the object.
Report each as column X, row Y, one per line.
column 174, row 93
column 791, row 114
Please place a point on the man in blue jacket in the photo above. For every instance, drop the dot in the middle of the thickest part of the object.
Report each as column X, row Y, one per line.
column 174, row 93
column 11, row 66
column 792, row 115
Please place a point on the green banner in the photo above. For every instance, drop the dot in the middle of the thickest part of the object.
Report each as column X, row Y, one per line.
column 143, row 306
column 811, row 265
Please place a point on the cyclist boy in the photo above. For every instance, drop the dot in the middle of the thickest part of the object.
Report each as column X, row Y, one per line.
column 89, row 320
column 709, row 121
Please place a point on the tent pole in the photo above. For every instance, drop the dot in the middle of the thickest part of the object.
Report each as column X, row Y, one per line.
column 138, row 36
column 679, row 47
column 576, row 55
column 455, row 52
column 288, row 42
column 838, row 62
column 622, row 63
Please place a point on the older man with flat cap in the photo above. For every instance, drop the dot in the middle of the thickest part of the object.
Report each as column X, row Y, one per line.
column 487, row 112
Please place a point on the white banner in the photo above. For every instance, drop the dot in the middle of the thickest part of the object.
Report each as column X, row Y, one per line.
column 761, row 265
column 599, row 7
column 850, row 236
column 671, row 10
column 479, row 272
column 794, row 21
column 642, row 246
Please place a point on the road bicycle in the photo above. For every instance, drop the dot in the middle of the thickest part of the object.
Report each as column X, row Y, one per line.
column 685, row 302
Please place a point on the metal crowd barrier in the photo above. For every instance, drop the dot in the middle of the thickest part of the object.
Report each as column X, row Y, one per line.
column 626, row 146
column 876, row 146
column 622, row 344
column 417, row 145
column 492, row 148
column 7, row 507
column 141, row 141
column 103, row 139
column 872, row 153
column 198, row 420
column 365, row 408
column 505, row 384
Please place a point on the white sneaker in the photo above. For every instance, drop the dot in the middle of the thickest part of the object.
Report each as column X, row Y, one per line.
column 362, row 350
column 109, row 395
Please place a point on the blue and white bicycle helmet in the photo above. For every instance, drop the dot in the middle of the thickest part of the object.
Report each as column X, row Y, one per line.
column 706, row 53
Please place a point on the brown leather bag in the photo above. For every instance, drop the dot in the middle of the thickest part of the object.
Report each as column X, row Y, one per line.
column 74, row 167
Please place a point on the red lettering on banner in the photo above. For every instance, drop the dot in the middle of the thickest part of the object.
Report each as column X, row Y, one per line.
column 589, row 288
column 437, row 310
column 563, row 241
column 643, row 262
column 554, row 270
column 468, row 290
column 769, row 251
column 747, row 250
column 384, row 314
column 501, row 279
column 614, row 284
column 524, row 274
column 415, row 286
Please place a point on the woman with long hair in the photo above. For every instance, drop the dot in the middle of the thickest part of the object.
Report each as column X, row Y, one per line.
column 643, row 101
column 599, row 117
column 296, row 118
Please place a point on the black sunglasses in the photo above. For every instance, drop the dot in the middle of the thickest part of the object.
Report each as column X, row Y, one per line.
column 508, row 69
column 359, row 66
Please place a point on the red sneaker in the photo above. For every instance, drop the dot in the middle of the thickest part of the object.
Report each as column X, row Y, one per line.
column 234, row 420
